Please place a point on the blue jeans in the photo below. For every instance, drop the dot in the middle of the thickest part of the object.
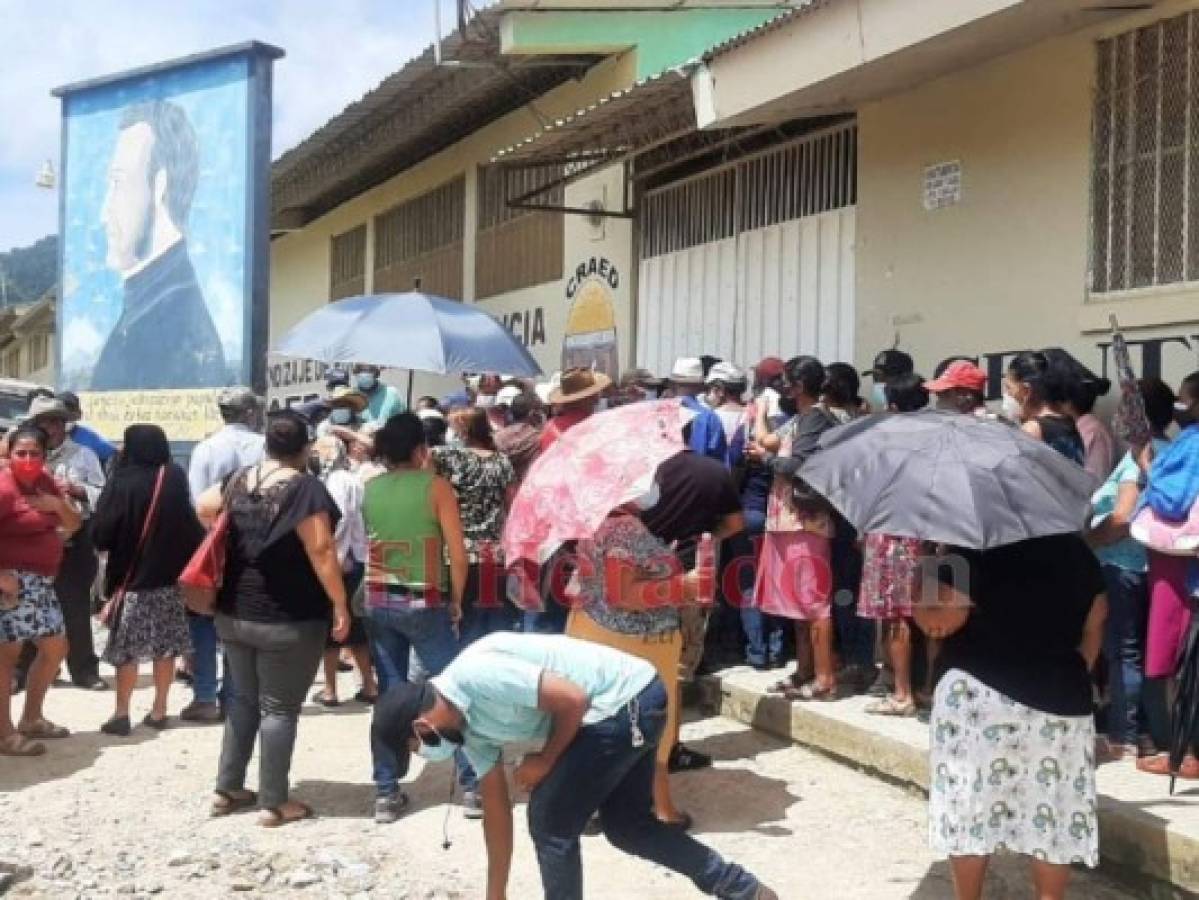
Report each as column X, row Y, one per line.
column 485, row 610
column 1124, row 647
column 395, row 634
column 602, row 770
column 764, row 634
column 204, row 662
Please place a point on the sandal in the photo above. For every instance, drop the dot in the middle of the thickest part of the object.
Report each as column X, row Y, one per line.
column 323, row 699
column 889, row 706
column 274, row 818
column 229, row 802
column 682, row 823
column 44, row 729
column 364, row 697
column 157, row 724
column 813, row 693
column 19, row 745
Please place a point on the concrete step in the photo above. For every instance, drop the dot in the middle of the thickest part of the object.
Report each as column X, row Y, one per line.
column 1145, row 834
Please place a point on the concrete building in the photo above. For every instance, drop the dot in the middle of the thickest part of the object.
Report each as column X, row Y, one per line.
column 403, row 187
column 1025, row 167
column 26, row 341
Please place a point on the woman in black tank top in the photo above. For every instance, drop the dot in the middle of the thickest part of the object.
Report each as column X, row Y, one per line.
column 1034, row 392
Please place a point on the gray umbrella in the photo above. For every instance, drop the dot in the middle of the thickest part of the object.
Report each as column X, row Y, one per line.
column 948, row 478
column 408, row 331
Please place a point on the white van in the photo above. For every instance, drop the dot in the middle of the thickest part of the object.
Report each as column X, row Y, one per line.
column 14, row 401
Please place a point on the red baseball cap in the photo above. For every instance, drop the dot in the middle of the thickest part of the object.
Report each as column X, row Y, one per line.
column 770, row 367
column 959, row 374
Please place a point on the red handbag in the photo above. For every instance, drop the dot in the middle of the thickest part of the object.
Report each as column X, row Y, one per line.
column 201, row 578
column 110, row 612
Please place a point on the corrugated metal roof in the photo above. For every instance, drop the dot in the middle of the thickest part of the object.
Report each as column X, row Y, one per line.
column 766, row 27
column 414, row 113
column 654, row 109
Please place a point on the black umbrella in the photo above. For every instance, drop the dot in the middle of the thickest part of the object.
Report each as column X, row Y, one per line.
column 948, row 478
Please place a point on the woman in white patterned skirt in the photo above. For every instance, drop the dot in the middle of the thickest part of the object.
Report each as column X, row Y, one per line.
column 1012, row 759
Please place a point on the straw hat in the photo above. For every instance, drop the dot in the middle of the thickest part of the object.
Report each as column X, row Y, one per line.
column 344, row 397
column 579, row 384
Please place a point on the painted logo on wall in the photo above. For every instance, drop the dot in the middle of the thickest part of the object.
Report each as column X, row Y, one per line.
column 590, row 337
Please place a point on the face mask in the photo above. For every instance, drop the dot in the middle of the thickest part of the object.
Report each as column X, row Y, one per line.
column 485, row 401
column 1012, row 408
column 366, row 381
column 27, row 470
column 438, row 752
column 1183, row 415
column 341, row 416
column 878, row 398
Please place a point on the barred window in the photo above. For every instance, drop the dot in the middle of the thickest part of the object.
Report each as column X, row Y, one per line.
column 39, row 352
column 347, row 263
column 518, row 248
column 1145, row 187
column 12, row 363
column 421, row 240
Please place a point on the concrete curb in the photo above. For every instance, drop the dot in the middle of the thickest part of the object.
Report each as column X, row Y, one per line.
column 1146, row 848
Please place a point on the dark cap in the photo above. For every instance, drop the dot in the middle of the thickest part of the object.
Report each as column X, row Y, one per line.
column 238, row 397
column 71, row 401
column 891, row 364
column 395, row 711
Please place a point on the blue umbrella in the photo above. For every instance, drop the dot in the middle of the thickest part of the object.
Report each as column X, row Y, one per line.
column 408, row 331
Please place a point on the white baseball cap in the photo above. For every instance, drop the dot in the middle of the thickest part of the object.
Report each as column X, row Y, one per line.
column 688, row 370
column 726, row 372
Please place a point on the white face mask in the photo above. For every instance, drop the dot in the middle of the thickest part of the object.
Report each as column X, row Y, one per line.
column 1012, row 408
column 485, row 401
column 878, row 398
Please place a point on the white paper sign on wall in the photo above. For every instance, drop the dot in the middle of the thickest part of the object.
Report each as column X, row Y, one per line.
column 943, row 185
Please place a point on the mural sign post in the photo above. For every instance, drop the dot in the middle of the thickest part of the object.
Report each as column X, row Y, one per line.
column 164, row 230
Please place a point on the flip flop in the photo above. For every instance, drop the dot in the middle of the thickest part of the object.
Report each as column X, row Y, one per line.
column 812, row 693
column 322, row 699
column 45, row 730
column 889, row 706
column 19, row 745
column 274, row 818
column 228, row 802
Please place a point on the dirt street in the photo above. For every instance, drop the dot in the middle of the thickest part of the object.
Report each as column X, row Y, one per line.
column 99, row 816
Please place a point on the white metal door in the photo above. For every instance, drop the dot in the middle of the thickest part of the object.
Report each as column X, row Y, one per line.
column 753, row 260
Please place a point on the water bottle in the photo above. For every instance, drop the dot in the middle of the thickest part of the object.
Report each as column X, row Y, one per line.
column 705, row 564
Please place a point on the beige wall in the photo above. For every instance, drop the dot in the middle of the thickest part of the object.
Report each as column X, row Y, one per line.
column 1006, row 269
column 300, row 260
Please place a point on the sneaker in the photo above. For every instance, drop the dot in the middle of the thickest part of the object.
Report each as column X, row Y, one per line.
column 472, row 805
column 389, row 809
column 198, row 711
column 117, row 726
column 683, row 759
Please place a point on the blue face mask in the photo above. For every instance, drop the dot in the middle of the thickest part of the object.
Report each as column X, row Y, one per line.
column 878, row 398
column 341, row 416
column 435, row 753
column 366, row 381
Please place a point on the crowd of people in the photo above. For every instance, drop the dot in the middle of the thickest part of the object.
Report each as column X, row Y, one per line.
column 364, row 536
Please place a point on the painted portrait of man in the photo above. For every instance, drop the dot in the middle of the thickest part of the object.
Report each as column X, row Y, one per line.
column 165, row 335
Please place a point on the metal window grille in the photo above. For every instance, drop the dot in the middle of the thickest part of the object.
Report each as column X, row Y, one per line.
column 39, row 352
column 347, row 263
column 517, row 248
column 1144, row 186
column 805, row 177
column 12, row 363
column 421, row 240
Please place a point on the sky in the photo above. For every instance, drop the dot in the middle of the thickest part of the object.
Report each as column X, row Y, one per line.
column 336, row 52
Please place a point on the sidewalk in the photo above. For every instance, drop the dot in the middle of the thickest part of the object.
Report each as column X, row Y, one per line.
column 1143, row 830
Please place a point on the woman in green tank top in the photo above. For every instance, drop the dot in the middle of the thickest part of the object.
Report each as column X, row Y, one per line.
column 412, row 602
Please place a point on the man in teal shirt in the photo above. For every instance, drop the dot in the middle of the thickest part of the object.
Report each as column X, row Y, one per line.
column 601, row 714
column 383, row 401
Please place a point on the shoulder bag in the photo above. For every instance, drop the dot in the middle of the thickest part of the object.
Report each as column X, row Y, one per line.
column 110, row 612
column 201, row 578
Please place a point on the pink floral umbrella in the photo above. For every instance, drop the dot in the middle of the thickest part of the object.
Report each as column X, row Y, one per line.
column 603, row 462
